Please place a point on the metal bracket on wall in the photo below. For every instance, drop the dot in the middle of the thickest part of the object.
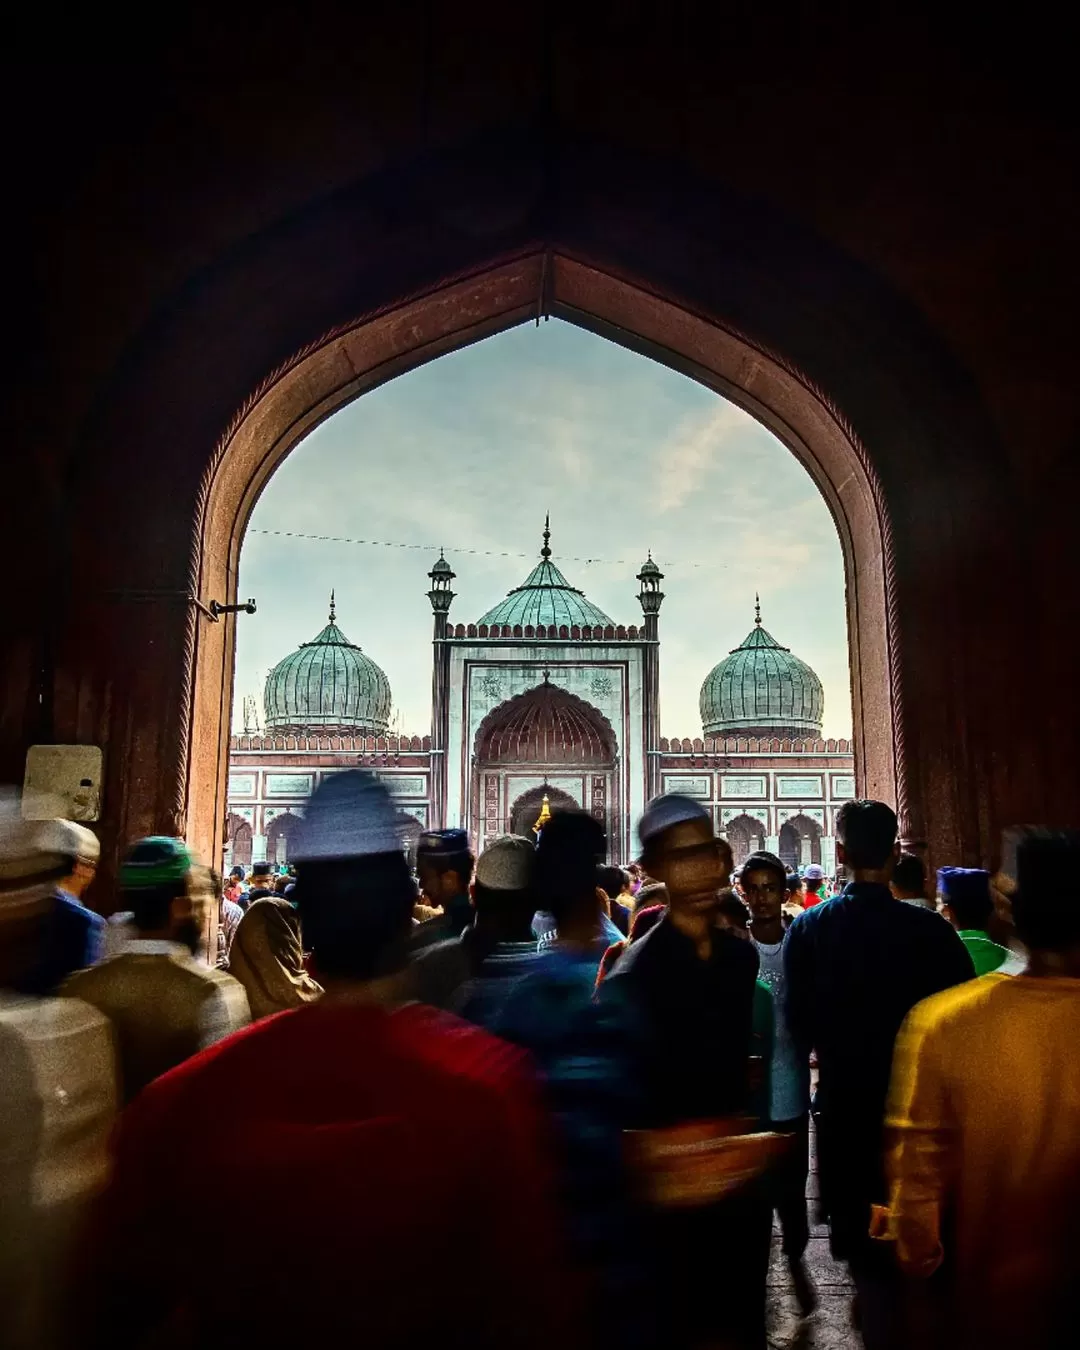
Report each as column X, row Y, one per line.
column 217, row 609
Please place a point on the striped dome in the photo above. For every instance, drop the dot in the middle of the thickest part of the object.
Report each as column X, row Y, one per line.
column 545, row 725
column 546, row 597
column 328, row 684
column 761, row 689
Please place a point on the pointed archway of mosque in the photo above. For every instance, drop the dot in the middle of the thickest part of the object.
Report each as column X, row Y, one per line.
column 525, row 811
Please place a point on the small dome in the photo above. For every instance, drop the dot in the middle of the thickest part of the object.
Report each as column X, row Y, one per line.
column 327, row 685
column 546, row 597
column 441, row 568
column 760, row 689
column 649, row 569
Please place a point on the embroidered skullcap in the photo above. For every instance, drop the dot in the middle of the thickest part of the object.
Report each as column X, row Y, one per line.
column 157, row 860
column 442, row 843
column 507, row 864
column 350, row 815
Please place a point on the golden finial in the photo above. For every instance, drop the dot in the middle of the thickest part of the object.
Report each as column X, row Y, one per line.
column 544, row 816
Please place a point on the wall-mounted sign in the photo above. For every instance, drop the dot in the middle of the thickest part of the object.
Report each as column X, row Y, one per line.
column 700, row 787
column 288, row 784
column 742, row 787
column 799, row 787
column 404, row 785
column 843, row 786
column 241, row 785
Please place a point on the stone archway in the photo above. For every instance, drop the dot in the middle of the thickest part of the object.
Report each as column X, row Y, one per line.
column 746, row 834
column 348, row 362
column 238, row 841
column 278, row 833
column 525, row 810
column 800, row 841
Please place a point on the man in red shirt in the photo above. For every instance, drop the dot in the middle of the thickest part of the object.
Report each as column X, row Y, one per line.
column 813, row 885
column 387, row 1182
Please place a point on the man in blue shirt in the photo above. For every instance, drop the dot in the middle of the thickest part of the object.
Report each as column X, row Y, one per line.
column 72, row 936
column 855, row 966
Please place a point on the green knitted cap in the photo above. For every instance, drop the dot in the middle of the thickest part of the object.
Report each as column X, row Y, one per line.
column 154, row 862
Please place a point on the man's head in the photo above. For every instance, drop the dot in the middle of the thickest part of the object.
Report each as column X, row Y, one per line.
column 764, row 886
column 681, row 849
column 909, row 878
column 732, row 914
column 866, row 839
column 353, row 887
column 504, row 888
column 813, row 879
column 614, row 882
column 82, row 850
column 793, row 885
column 166, row 895
column 964, row 896
column 569, row 849
column 260, row 876
column 444, row 865
column 1046, row 901
column 237, row 874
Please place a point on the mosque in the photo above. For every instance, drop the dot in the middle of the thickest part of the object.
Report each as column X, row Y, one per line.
column 545, row 697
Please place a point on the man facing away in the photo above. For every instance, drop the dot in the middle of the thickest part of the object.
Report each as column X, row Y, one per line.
column 855, row 967
column 691, row 987
column 984, row 1119
column 964, row 896
column 763, row 884
column 163, row 1003
column 909, row 881
column 813, row 886
column 368, row 1128
column 504, row 901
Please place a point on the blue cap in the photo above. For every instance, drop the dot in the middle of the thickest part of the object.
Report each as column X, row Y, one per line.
column 963, row 883
column 442, row 843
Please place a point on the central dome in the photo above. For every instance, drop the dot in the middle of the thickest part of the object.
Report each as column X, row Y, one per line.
column 760, row 689
column 546, row 597
column 327, row 685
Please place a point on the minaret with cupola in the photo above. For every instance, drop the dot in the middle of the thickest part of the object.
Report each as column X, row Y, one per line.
column 441, row 596
column 651, row 597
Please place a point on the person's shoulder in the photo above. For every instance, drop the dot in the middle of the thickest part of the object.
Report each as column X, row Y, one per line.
column 77, row 912
column 46, row 1018
column 957, row 1006
column 453, row 1049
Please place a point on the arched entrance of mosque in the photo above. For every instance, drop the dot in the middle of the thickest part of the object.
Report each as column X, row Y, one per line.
column 237, row 841
column 800, row 841
column 280, row 827
column 746, row 835
column 525, row 811
column 544, row 739
column 348, row 362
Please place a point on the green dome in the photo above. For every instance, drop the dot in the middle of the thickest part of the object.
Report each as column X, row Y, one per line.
column 546, row 597
column 760, row 689
column 328, row 684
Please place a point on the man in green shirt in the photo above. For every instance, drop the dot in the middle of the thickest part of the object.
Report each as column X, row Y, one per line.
column 964, row 899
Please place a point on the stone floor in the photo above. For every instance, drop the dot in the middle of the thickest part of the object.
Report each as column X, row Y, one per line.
column 830, row 1327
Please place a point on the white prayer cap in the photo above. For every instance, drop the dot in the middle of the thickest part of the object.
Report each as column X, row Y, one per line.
column 350, row 815
column 35, row 848
column 670, row 809
column 507, row 864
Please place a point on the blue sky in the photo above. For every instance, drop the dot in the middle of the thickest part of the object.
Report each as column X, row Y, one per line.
column 471, row 450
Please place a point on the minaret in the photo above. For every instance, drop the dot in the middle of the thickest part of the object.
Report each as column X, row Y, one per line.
column 651, row 598
column 441, row 597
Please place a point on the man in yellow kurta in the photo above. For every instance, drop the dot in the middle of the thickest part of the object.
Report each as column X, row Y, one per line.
column 984, row 1127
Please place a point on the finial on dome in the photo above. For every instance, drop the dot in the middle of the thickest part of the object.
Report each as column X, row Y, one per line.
column 333, row 611
column 547, row 676
column 757, row 609
column 545, row 552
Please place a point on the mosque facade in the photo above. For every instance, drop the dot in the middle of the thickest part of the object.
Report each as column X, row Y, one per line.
column 546, row 696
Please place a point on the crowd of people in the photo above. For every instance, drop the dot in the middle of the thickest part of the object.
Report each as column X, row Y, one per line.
column 531, row 1098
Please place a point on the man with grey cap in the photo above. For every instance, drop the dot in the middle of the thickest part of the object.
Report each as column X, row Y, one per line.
column 504, row 900
column 403, row 1130
column 691, row 985
column 72, row 935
